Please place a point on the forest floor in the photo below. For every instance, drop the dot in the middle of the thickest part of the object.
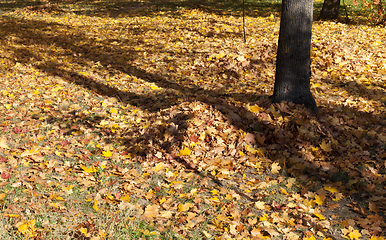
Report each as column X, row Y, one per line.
column 139, row 123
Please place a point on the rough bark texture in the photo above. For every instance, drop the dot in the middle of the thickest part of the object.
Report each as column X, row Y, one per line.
column 330, row 10
column 293, row 71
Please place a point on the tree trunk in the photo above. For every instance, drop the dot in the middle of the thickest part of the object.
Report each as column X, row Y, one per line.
column 330, row 10
column 293, row 71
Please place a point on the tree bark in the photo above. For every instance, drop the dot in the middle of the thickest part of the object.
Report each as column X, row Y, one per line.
column 293, row 71
column 330, row 10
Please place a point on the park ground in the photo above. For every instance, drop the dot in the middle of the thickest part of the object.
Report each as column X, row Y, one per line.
column 153, row 120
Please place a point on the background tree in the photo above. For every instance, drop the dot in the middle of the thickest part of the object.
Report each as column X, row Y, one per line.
column 293, row 71
column 330, row 10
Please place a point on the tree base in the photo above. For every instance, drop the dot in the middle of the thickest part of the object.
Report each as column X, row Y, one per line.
column 304, row 98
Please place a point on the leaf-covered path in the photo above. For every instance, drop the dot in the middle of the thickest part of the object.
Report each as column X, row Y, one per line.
column 158, row 125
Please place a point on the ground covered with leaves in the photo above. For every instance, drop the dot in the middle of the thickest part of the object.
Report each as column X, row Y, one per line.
column 135, row 123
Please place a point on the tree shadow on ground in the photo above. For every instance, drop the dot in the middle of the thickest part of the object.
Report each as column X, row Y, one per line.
column 293, row 139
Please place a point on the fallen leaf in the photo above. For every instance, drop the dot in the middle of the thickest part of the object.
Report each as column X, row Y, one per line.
column 319, row 199
column 354, row 234
column 326, row 146
column 3, row 143
column 184, row 207
column 151, row 211
column 373, row 207
column 107, row 154
column 185, row 152
column 260, row 205
column 320, row 216
column 275, row 168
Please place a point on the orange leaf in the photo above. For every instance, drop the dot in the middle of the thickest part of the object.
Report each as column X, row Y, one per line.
column 151, row 211
column 373, row 207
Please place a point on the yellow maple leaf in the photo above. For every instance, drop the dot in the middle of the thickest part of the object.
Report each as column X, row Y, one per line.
column 158, row 167
column 184, row 207
column 28, row 229
column 113, row 110
column 84, row 231
column 309, row 237
column 214, row 192
column 54, row 205
column 320, row 216
column 264, row 217
column 221, row 217
column 331, row 189
column 275, row 168
column 23, row 228
column 319, row 199
column 377, row 238
column 354, row 234
column 95, row 206
column 106, row 153
column 11, row 215
column 254, row 108
column 125, row 198
column 184, row 152
column 88, row 169
column 228, row 197
column 215, row 199
column 283, row 191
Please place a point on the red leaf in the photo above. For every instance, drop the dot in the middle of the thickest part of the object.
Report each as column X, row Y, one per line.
column 193, row 138
column 5, row 175
column 17, row 130
column 64, row 143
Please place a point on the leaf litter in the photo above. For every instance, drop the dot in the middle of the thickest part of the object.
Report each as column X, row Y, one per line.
column 160, row 126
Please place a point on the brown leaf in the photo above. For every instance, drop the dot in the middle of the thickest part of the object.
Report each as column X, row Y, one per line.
column 373, row 207
column 250, row 139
